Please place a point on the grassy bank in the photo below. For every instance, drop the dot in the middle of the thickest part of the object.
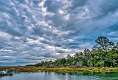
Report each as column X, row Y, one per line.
column 63, row 69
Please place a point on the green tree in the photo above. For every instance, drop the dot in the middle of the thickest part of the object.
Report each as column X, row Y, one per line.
column 103, row 42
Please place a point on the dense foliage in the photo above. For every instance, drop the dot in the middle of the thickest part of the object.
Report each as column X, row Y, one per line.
column 104, row 54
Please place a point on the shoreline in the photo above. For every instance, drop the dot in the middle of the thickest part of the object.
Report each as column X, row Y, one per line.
column 62, row 69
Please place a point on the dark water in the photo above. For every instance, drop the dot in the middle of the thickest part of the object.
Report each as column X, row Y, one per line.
column 57, row 76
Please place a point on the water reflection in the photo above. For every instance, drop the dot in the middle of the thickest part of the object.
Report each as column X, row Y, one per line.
column 5, row 76
column 58, row 76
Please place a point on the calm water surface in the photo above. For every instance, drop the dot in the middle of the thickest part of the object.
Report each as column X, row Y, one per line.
column 57, row 76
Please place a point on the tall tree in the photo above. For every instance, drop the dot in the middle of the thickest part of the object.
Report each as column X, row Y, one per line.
column 102, row 41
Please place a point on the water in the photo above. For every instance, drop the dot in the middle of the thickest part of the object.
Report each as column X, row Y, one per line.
column 58, row 76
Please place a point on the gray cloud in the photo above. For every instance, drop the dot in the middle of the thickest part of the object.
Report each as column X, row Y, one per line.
column 35, row 30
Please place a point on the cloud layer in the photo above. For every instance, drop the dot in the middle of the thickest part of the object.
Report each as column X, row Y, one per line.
column 35, row 30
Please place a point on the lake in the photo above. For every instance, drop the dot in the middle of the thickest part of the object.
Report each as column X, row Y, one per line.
column 59, row 76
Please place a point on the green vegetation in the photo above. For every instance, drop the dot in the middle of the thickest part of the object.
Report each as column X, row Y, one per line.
column 104, row 54
column 103, row 58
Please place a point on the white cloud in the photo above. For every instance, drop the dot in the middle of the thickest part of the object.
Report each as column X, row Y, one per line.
column 61, row 12
column 5, row 35
column 5, row 50
column 37, row 32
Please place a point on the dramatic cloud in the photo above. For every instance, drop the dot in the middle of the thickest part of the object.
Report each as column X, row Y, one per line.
column 35, row 30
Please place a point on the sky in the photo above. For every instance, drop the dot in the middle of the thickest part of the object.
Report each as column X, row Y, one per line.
column 36, row 30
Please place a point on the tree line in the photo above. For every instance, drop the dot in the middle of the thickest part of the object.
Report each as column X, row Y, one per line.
column 104, row 54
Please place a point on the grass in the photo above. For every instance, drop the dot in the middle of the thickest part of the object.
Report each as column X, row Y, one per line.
column 62, row 69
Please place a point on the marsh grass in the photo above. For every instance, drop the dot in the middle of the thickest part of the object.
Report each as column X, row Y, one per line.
column 83, row 70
